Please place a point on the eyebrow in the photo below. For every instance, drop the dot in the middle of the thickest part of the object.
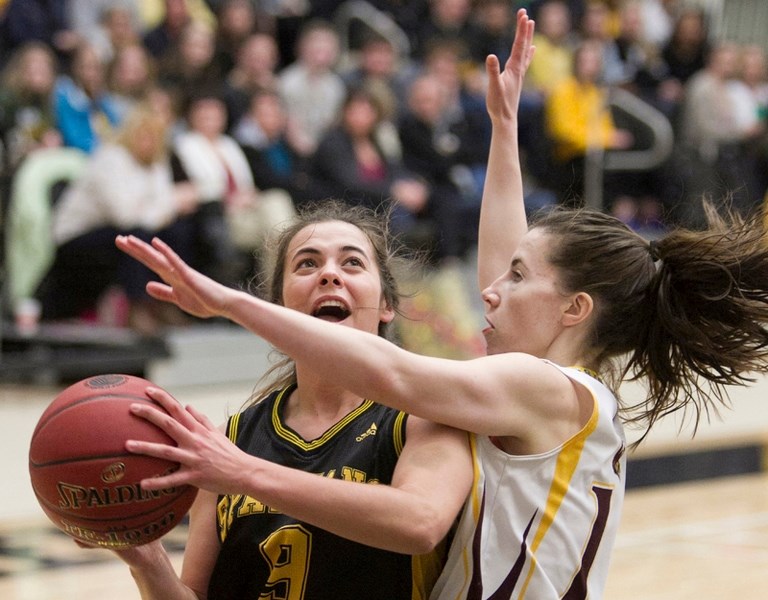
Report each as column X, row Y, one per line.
column 315, row 251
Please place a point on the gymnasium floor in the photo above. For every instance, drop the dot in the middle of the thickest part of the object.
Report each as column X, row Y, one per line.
column 691, row 541
column 676, row 543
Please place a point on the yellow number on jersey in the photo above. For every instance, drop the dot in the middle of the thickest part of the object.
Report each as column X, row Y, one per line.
column 287, row 552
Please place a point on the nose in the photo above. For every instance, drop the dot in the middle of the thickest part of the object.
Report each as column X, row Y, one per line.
column 490, row 297
column 330, row 276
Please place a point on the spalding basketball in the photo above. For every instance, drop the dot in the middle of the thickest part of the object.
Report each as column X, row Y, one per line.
column 87, row 483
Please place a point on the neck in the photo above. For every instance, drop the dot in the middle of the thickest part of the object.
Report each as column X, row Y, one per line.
column 321, row 394
column 315, row 407
column 571, row 349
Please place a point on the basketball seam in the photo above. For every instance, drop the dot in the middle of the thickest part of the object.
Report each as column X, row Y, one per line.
column 66, row 407
column 64, row 461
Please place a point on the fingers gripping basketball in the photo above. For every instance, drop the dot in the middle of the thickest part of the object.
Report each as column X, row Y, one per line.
column 82, row 475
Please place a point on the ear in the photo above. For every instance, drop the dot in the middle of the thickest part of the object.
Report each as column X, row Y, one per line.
column 578, row 310
column 387, row 313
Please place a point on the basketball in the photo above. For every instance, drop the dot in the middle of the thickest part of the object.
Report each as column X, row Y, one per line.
column 85, row 480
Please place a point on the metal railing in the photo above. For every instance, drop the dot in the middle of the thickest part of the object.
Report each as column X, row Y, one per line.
column 380, row 22
column 599, row 161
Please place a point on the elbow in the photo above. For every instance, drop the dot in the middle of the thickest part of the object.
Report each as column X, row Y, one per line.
column 426, row 532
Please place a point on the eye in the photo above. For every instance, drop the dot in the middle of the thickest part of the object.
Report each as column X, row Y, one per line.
column 515, row 275
column 354, row 261
column 306, row 263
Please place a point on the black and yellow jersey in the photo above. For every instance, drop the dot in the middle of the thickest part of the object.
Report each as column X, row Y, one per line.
column 267, row 554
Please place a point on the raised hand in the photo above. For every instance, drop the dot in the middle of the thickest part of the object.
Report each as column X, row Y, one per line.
column 188, row 289
column 504, row 87
column 502, row 216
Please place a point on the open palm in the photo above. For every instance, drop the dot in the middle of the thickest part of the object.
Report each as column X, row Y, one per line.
column 504, row 87
column 183, row 286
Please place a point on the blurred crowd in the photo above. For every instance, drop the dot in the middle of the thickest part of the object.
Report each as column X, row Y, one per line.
column 208, row 122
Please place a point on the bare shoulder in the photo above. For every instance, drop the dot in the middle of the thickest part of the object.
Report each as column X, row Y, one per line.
column 544, row 407
column 526, row 375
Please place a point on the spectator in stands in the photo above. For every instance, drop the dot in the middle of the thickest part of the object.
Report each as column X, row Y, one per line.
column 378, row 63
column 44, row 21
column 597, row 24
column 165, row 36
column 263, row 134
column 26, row 116
column 84, row 109
column 658, row 17
column 465, row 102
column 126, row 188
column 578, row 121
column 254, row 70
column 641, row 61
column 687, row 49
column 189, row 66
column 91, row 21
column 116, row 27
column 754, row 74
column 440, row 152
column 234, row 216
column 644, row 69
column 719, row 123
column 684, row 55
column 445, row 21
column 236, row 21
column 311, row 88
column 130, row 75
column 492, row 26
column 448, row 60
column 350, row 165
column 555, row 41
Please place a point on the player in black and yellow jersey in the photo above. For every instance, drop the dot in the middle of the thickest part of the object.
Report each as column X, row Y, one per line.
column 292, row 555
column 399, row 480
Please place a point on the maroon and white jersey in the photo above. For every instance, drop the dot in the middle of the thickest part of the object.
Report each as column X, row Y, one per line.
column 542, row 526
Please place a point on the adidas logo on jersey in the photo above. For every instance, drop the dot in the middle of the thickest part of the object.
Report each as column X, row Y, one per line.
column 371, row 431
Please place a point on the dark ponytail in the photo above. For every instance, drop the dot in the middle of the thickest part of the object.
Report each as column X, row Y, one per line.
column 686, row 313
column 706, row 318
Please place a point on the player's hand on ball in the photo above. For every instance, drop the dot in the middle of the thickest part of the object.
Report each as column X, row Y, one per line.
column 209, row 460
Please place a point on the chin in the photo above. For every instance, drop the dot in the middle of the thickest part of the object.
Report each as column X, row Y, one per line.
column 490, row 347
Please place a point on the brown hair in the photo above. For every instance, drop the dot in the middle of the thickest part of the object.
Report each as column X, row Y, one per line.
column 686, row 312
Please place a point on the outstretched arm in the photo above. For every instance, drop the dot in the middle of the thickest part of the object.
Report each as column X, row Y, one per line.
column 412, row 515
column 502, row 214
column 504, row 394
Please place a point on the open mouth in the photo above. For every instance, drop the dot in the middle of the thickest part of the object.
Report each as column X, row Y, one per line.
column 331, row 311
column 488, row 327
